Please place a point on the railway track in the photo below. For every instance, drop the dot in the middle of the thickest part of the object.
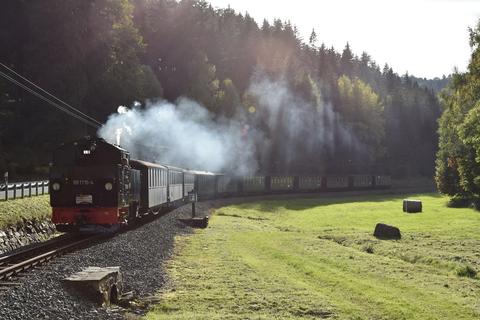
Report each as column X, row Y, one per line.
column 17, row 262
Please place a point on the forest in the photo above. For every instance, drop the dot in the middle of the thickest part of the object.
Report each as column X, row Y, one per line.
column 458, row 160
column 339, row 113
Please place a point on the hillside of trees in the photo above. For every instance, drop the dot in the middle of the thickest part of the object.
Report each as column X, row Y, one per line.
column 458, row 162
column 100, row 54
column 435, row 84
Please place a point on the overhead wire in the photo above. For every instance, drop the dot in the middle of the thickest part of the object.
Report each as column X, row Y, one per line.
column 51, row 95
column 67, row 108
column 54, row 104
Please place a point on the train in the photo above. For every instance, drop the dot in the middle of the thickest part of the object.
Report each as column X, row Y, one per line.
column 96, row 186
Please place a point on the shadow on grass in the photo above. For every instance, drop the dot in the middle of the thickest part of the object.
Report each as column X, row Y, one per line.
column 307, row 201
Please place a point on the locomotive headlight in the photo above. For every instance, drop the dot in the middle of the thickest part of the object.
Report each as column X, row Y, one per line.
column 56, row 186
column 108, row 186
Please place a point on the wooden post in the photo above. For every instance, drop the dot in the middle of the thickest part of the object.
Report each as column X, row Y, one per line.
column 30, row 189
column 6, row 185
column 22, row 185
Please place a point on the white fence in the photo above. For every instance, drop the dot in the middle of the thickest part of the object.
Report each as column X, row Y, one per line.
column 20, row 190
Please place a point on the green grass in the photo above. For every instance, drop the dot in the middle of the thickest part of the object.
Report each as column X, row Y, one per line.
column 14, row 212
column 317, row 258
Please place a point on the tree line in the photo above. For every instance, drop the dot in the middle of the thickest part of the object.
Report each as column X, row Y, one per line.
column 99, row 54
column 458, row 158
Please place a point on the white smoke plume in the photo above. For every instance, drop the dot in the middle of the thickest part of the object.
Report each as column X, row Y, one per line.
column 283, row 133
column 182, row 134
column 302, row 134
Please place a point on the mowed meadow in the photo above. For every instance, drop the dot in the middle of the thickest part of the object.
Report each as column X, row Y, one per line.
column 317, row 258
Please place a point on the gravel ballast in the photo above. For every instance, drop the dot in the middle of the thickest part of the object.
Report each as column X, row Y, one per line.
column 140, row 253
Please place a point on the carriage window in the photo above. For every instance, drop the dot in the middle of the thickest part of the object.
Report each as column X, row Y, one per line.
column 150, row 182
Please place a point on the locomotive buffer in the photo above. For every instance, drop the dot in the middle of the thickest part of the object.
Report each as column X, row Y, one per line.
column 194, row 222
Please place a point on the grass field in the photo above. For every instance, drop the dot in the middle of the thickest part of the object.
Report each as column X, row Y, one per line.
column 317, row 258
column 15, row 211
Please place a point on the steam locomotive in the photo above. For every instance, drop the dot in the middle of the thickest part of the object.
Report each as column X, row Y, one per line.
column 95, row 186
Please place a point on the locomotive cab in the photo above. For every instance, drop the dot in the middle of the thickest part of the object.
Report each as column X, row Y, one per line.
column 92, row 184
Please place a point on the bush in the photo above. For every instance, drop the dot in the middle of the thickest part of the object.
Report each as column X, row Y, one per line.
column 475, row 204
column 463, row 201
column 459, row 201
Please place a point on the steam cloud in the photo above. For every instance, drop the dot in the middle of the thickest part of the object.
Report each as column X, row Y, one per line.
column 183, row 134
column 295, row 135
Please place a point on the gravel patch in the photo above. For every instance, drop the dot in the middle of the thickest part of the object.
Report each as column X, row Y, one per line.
column 140, row 253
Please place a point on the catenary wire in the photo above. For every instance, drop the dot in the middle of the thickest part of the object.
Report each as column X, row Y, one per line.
column 51, row 95
column 54, row 104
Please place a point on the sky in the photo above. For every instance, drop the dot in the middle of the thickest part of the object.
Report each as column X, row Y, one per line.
column 426, row 38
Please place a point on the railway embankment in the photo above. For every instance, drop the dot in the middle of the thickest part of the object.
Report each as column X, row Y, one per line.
column 24, row 221
column 140, row 253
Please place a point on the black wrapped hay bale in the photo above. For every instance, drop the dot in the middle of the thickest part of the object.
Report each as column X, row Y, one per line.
column 384, row 231
column 412, row 206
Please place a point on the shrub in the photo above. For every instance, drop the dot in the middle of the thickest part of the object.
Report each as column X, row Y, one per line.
column 459, row 201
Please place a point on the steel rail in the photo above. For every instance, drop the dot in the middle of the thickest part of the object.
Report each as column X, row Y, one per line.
column 13, row 269
column 32, row 249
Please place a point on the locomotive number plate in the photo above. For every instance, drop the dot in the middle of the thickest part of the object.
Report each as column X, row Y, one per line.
column 84, row 199
column 83, row 182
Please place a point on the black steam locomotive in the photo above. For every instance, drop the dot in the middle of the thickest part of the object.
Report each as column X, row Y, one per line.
column 95, row 185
